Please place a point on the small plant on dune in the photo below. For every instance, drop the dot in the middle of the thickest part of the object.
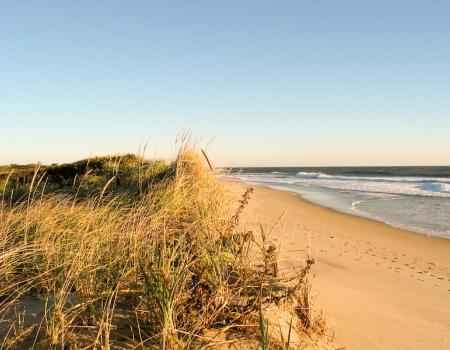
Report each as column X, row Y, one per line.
column 127, row 253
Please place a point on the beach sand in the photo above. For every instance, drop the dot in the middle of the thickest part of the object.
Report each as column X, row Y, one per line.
column 379, row 287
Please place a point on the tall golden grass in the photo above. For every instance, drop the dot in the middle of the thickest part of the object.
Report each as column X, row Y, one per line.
column 155, row 268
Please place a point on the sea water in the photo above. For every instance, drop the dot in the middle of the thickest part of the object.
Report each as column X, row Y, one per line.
column 413, row 198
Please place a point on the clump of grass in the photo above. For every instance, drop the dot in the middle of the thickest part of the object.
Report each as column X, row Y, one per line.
column 127, row 174
column 127, row 253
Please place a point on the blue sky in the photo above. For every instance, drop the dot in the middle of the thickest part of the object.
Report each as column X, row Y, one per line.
column 271, row 82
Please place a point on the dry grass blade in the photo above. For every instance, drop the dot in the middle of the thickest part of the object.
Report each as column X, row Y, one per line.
column 123, row 252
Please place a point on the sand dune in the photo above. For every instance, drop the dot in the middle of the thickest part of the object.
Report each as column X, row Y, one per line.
column 379, row 287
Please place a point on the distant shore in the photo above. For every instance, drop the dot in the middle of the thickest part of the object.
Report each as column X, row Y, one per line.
column 379, row 287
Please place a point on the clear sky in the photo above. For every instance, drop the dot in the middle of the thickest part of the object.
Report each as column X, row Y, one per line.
column 304, row 82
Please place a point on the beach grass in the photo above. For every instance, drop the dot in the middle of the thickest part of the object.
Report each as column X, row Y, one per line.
column 127, row 253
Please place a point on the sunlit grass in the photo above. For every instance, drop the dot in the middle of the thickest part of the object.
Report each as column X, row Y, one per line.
column 120, row 252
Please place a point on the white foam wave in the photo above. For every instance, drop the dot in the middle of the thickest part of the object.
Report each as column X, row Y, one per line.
column 315, row 175
column 421, row 186
column 355, row 203
column 311, row 175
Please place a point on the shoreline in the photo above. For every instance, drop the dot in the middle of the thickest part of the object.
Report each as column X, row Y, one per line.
column 410, row 202
column 380, row 287
column 410, row 231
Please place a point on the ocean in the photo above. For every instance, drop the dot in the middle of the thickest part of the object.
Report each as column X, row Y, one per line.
column 413, row 198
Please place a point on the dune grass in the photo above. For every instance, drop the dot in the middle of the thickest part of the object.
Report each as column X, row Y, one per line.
column 121, row 252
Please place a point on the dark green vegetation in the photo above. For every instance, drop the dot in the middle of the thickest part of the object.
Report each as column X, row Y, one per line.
column 127, row 173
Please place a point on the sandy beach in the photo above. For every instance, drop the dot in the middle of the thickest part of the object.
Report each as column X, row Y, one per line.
column 379, row 287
